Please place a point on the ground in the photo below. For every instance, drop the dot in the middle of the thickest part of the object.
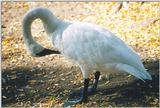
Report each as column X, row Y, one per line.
column 48, row 81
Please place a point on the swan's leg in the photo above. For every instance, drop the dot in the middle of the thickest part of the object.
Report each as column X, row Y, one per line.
column 94, row 86
column 83, row 98
column 85, row 91
column 84, row 94
column 91, row 90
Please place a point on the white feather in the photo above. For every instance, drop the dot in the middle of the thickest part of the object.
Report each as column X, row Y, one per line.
column 98, row 49
column 90, row 46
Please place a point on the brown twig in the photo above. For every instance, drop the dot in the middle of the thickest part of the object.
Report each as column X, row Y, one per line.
column 119, row 6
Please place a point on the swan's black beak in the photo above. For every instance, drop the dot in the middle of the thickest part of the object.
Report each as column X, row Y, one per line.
column 46, row 52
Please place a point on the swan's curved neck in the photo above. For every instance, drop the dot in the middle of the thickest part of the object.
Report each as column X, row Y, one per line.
column 50, row 23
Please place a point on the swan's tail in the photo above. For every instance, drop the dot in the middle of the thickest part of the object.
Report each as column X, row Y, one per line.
column 143, row 74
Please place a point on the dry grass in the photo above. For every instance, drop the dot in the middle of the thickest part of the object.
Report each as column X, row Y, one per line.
column 138, row 24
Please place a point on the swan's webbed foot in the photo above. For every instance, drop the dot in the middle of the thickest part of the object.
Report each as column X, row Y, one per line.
column 83, row 98
column 83, row 95
column 79, row 93
column 75, row 101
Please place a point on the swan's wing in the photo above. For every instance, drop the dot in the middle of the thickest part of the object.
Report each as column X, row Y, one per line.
column 81, row 42
column 89, row 42
column 95, row 46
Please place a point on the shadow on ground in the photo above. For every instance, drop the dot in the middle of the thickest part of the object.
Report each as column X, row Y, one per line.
column 134, row 93
column 12, row 82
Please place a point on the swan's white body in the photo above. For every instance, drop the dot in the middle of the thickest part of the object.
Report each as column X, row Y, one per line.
column 90, row 46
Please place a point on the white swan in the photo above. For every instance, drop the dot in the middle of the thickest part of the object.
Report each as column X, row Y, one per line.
column 90, row 46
